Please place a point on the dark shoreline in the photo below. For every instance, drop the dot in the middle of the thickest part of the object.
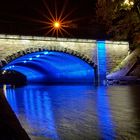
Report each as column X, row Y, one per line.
column 10, row 127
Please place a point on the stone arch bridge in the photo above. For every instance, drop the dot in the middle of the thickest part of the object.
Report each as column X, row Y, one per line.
column 103, row 55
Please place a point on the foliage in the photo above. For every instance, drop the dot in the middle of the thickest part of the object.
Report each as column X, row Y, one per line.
column 120, row 20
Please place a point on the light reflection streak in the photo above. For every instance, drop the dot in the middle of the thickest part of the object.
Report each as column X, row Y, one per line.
column 11, row 97
column 37, row 111
column 48, row 110
column 106, row 126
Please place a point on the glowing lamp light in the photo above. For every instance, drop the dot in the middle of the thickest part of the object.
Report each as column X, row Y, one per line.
column 128, row 3
column 56, row 24
column 131, row 3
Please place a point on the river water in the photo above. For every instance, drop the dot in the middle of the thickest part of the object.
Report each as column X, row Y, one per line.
column 77, row 112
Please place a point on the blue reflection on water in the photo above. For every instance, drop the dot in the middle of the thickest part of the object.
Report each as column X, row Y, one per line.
column 11, row 97
column 106, row 125
column 63, row 112
column 36, row 108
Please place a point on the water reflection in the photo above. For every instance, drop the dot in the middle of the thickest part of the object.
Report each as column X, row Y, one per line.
column 136, row 109
column 35, row 109
column 75, row 112
column 104, row 115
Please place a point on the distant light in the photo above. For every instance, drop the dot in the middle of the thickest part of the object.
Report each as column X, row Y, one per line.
column 128, row 3
column 30, row 58
column 56, row 24
column 24, row 61
column 4, row 72
column 131, row 3
column 38, row 56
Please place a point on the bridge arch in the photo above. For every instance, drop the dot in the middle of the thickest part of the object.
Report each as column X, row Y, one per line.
column 21, row 53
column 51, row 65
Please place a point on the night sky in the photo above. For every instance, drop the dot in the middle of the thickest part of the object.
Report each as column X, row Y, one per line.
column 22, row 16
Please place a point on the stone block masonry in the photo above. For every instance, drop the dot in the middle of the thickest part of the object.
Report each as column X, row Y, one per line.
column 86, row 48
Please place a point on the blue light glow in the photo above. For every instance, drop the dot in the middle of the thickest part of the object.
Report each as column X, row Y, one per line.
column 55, row 67
column 38, row 56
column 46, row 52
column 101, row 58
column 30, row 58
column 106, row 126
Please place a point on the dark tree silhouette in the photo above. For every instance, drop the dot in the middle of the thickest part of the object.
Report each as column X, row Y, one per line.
column 120, row 19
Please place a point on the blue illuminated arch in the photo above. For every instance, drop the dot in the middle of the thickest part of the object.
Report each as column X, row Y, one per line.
column 52, row 67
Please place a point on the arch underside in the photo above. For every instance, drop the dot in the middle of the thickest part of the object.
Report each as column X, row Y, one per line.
column 52, row 67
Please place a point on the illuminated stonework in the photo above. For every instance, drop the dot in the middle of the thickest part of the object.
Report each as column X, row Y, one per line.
column 12, row 47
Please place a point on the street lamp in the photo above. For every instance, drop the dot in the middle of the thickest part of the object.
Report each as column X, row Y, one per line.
column 56, row 24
